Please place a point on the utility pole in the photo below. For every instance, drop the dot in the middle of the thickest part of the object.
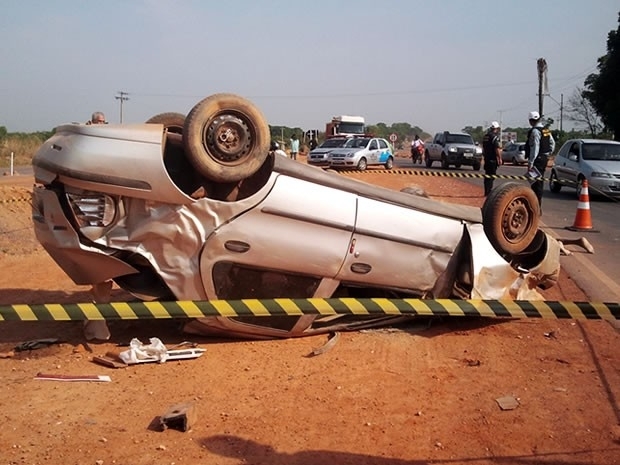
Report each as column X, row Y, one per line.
column 122, row 96
column 561, row 110
column 541, row 67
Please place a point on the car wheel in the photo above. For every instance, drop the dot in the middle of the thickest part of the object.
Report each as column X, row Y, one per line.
column 510, row 216
column 173, row 122
column 362, row 164
column 389, row 164
column 429, row 162
column 457, row 166
column 579, row 186
column 226, row 138
column 444, row 162
column 554, row 184
column 476, row 166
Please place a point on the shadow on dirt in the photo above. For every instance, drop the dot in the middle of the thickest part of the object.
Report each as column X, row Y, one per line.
column 246, row 450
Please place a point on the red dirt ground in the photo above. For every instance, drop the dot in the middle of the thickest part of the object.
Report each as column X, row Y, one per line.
column 413, row 395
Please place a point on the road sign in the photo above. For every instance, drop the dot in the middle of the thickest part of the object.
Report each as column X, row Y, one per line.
column 393, row 137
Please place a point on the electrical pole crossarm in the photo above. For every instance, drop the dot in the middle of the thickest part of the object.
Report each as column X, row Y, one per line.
column 122, row 96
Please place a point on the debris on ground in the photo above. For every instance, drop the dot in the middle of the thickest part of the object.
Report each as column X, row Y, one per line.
column 507, row 402
column 36, row 344
column 179, row 416
column 55, row 377
column 156, row 351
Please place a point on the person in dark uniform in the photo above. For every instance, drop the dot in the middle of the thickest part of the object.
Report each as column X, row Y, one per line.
column 492, row 153
column 540, row 145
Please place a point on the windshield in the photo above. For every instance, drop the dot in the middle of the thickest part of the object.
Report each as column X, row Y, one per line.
column 350, row 128
column 601, row 151
column 459, row 139
column 332, row 143
column 356, row 143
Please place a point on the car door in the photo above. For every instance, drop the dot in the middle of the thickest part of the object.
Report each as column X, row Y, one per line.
column 567, row 163
column 384, row 151
column 398, row 247
column 284, row 246
column 373, row 152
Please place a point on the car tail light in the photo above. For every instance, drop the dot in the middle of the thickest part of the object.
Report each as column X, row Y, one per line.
column 93, row 213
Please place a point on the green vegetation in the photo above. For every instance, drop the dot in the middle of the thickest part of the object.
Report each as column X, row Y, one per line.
column 602, row 89
column 22, row 145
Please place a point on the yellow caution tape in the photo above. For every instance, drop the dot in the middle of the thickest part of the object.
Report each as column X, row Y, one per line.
column 295, row 307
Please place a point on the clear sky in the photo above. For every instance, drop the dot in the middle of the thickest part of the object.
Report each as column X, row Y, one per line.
column 442, row 64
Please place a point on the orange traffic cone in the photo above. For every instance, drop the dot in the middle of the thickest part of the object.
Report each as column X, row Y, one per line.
column 583, row 219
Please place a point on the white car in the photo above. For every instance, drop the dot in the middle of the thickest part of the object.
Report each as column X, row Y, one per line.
column 362, row 152
column 205, row 211
column 320, row 155
column 594, row 160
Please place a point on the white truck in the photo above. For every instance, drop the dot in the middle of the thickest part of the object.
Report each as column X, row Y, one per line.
column 345, row 125
column 453, row 148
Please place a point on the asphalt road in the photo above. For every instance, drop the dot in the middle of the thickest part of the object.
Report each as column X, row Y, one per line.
column 597, row 274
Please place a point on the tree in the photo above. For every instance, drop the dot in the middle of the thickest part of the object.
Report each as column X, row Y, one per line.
column 580, row 110
column 602, row 89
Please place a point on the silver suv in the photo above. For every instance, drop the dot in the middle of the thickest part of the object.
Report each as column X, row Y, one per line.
column 205, row 211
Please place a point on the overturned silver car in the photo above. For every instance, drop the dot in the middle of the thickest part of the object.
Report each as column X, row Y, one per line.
column 197, row 208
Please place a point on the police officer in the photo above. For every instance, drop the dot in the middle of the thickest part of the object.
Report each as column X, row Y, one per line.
column 492, row 153
column 540, row 145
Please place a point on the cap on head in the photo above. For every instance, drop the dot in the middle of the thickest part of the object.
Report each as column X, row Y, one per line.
column 495, row 125
column 534, row 115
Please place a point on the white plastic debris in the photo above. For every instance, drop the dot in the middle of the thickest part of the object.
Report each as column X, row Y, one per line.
column 139, row 353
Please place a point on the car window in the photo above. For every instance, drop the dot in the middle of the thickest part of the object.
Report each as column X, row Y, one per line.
column 574, row 149
column 373, row 145
column 235, row 281
column 459, row 139
column 356, row 143
column 332, row 143
column 563, row 153
column 601, row 151
column 522, row 147
column 383, row 144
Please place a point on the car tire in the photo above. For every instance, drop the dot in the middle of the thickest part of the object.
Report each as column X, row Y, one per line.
column 457, row 166
column 226, row 138
column 429, row 162
column 476, row 166
column 579, row 186
column 444, row 162
column 389, row 164
column 554, row 184
column 362, row 164
column 510, row 217
column 173, row 122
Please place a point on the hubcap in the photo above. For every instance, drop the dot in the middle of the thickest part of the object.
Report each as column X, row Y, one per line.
column 516, row 220
column 228, row 138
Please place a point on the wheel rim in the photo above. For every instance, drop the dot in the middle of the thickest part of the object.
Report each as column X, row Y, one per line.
column 228, row 138
column 362, row 165
column 516, row 220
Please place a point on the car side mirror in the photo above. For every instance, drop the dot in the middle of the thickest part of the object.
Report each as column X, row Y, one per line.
column 573, row 157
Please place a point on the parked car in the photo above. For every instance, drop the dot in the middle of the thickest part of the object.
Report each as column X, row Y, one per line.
column 514, row 152
column 319, row 156
column 207, row 212
column 361, row 152
column 594, row 160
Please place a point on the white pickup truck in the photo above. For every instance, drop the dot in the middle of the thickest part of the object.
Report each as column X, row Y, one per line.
column 453, row 148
